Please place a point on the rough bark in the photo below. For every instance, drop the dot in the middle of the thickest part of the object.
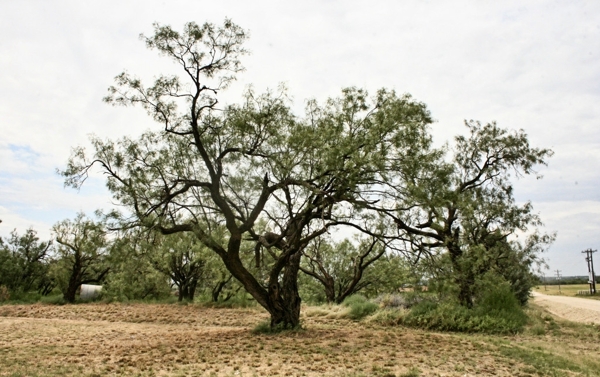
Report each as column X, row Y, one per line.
column 74, row 283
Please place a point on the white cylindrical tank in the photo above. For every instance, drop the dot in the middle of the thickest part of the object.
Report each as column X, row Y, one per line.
column 89, row 291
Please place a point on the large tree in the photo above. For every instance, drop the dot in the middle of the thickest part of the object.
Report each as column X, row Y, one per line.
column 133, row 275
column 82, row 251
column 466, row 208
column 220, row 173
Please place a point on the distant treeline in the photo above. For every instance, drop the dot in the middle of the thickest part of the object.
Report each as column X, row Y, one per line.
column 552, row 280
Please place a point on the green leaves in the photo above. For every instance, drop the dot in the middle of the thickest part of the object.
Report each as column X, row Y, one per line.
column 468, row 210
column 82, row 251
column 230, row 175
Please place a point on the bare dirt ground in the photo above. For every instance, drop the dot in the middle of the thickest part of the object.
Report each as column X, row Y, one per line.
column 570, row 308
column 177, row 340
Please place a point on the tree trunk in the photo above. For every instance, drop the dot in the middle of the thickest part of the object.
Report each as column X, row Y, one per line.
column 74, row 282
column 216, row 291
column 465, row 283
column 463, row 276
column 329, row 285
column 285, row 300
column 69, row 294
column 282, row 302
column 187, row 289
column 192, row 290
column 465, row 280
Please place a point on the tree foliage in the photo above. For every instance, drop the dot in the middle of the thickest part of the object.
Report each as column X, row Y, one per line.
column 24, row 263
column 227, row 168
column 468, row 210
column 344, row 268
column 132, row 275
column 82, row 250
column 257, row 184
column 183, row 259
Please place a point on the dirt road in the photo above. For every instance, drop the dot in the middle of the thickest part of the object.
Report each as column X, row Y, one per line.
column 571, row 308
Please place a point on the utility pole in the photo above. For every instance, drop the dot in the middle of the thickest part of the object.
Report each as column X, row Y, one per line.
column 545, row 287
column 558, row 280
column 590, row 262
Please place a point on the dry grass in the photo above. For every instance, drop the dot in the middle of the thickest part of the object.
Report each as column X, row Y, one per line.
column 175, row 340
column 567, row 290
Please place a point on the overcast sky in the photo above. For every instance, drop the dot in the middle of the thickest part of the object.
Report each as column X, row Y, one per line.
column 531, row 65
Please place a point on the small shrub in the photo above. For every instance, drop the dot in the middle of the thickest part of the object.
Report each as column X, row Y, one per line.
column 389, row 316
column 359, row 306
column 25, row 297
column 265, row 328
column 4, row 293
column 538, row 330
column 53, row 300
column 497, row 312
column 412, row 372
column 262, row 328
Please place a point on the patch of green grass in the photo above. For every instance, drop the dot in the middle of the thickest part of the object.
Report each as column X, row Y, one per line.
column 547, row 364
column 449, row 316
column 496, row 311
column 359, row 306
column 265, row 328
column 412, row 372
column 389, row 316
column 540, row 322
column 20, row 298
column 53, row 300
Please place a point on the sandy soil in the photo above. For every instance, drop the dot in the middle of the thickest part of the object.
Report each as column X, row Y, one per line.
column 571, row 308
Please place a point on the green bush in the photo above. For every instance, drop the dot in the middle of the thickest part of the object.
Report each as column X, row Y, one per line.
column 359, row 306
column 265, row 328
column 53, row 300
column 496, row 311
column 19, row 297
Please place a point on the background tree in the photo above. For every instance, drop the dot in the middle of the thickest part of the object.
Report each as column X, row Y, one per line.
column 467, row 208
column 132, row 275
column 212, row 169
column 340, row 267
column 82, row 250
column 183, row 260
column 24, row 262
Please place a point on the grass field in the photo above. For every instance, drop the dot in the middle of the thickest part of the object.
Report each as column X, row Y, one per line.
column 567, row 290
column 189, row 340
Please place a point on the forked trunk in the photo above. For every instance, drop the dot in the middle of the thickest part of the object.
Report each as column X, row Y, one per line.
column 284, row 299
column 187, row 291
column 281, row 300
